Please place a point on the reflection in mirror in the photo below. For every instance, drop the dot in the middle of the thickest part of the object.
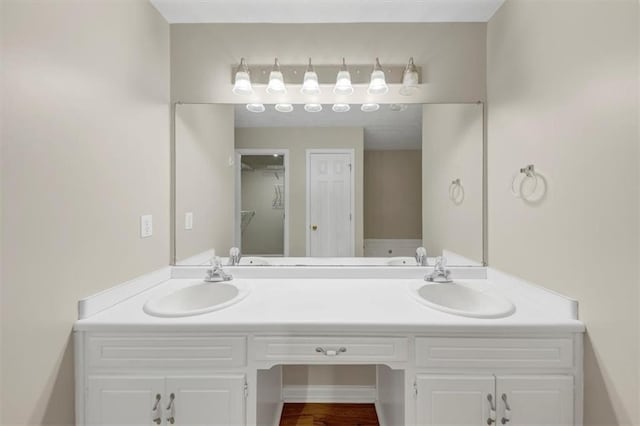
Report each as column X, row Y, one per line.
column 330, row 187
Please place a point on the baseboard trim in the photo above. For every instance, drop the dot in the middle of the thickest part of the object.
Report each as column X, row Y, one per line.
column 336, row 394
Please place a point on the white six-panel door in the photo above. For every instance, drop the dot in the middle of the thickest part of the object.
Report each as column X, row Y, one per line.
column 454, row 400
column 329, row 204
column 535, row 400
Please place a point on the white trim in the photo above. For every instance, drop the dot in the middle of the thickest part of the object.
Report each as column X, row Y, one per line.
column 278, row 414
column 351, row 152
column 238, row 186
column 105, row 299
column 329, row 393
column 380, row 413
column 197, row 259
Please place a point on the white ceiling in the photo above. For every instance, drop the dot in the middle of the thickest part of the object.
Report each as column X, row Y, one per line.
column 325, row 11
column 383, row 129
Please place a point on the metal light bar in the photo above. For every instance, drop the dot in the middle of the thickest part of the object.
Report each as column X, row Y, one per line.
column 293, row 74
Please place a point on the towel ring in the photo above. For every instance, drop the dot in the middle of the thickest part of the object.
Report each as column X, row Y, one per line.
column 517, row 182
column 456, row 192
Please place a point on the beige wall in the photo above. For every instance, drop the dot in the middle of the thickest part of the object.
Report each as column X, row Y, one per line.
column 204, row 178
column 563, row 95
column 452, row 56
column 85, row 152
column 393, row 194
column 452, row 144
column 297, row 141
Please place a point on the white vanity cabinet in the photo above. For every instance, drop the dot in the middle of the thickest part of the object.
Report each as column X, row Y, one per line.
column 487, row 400
column 506, row 380
column 130, row 400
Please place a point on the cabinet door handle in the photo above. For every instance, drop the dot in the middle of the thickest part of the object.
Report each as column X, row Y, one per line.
column 492, row 410
column 507, row 410
column 331, row 352
column 171, row 409
column 157, row 415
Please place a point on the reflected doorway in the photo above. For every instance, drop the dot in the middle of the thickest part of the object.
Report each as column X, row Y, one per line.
column 262, row 202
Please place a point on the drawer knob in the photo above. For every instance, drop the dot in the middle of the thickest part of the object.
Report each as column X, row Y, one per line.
column 331, row 352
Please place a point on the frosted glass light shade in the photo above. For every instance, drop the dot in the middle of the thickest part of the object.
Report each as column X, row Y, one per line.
column 343, row 84
column 340, row 107
column 276, row 83
column 310, row 85
column 313, row 107
column 242, row 85
column 410, row 79
column 369, row 107
column 255, row 107
column 378, row 84
column 284, row 107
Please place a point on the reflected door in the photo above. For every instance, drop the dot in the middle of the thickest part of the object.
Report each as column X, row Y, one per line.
column 329, row 204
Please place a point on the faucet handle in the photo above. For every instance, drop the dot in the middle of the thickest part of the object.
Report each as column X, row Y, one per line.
column 441, row 262
column 234, row 251
column 421, row 256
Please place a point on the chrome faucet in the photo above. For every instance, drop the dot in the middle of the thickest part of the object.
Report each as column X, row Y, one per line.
column 216, row 273
column 440, row 272
column 421, row 256
column 234, row 256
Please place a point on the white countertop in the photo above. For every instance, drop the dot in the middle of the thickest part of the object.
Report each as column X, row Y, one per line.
column 341, row 305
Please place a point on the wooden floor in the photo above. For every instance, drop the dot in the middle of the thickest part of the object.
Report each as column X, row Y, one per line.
column 329, row 415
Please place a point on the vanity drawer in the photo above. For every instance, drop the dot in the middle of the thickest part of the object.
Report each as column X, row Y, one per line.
column 166, row 351
column 330, row 349
column 494, row 353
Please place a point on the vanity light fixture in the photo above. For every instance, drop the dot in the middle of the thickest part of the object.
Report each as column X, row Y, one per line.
column 341, row 107
column 410, row 79
column 284, row 107
column 371, row 107
column 310, row 85
column 276, row 80
column 312, row 107
column 242, row 84
column 377, row 84
column 343, row 81
column 255, row 107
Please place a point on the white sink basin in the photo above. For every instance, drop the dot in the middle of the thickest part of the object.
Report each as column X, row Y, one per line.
column 255, row 261
column 460, row 300
column 402, row 261
column 196, row 299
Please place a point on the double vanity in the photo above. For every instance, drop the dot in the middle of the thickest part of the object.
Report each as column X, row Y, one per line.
column 484, row 349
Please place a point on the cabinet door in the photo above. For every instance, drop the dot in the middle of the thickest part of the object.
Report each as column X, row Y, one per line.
column 455, row 400
column 207, row 400
column 124, row 400
column 535, row 400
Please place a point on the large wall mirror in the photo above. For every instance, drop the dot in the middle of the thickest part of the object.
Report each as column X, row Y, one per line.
column 325, row 187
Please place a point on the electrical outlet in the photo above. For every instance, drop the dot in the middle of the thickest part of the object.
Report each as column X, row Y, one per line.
column 188, row 220
column 146, row 226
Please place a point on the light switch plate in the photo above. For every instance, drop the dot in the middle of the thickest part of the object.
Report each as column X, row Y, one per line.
column 188, row 220
column 146, row 226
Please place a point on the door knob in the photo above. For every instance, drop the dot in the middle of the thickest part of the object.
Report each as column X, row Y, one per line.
column 314, row 227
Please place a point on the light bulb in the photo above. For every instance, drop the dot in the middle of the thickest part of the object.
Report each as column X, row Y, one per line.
column 377, row 84
column 276, row 80
column 313, row 107
column 284, row 107
column 255, row 107
column 343, row 81
column 310, row 85
column 242, row 84
column 340, row 107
